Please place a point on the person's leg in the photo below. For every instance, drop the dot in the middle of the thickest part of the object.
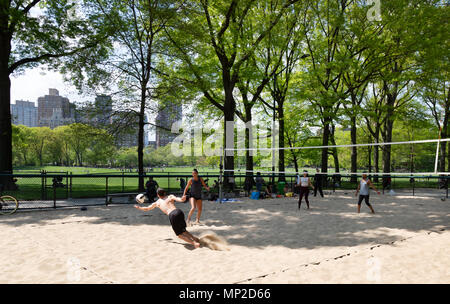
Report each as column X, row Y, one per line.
column 306, row 198
column 360, row 198
column 366, row 199
column 321, row 191
column 195, row 239
column 315, row 190
column 199, row 206
column 300, row 198
column 187, row 239
column 192, row 201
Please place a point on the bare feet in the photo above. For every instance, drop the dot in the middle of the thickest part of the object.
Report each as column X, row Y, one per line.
column 196, row 244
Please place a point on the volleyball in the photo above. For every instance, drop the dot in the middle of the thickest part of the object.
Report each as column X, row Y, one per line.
column 140, row 198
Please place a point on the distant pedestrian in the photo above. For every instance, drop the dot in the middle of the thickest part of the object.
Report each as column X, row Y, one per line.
column 318, row 183
column 151, row 186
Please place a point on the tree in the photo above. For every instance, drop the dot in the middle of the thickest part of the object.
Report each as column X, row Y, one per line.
column 27, row 40
column 40, row 137
column 283, row 51
column 211, row 40
column 136, row 26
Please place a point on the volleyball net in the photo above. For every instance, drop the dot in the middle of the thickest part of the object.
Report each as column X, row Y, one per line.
column 408, row 165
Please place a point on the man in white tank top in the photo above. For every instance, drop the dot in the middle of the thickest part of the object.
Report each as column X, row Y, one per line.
column 364, row 192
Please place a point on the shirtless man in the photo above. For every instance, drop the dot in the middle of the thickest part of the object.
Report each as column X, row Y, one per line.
column 176, row 216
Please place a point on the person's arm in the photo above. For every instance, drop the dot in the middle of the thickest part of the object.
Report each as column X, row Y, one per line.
column 152, row 206
column 357, row 189
column 204, row 185
column 187, row 187
column 309, row 182
column 177, row 199
column 373, row 186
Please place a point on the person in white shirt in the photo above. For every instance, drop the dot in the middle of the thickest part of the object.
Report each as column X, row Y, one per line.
column 304, row 182
column 363, row 190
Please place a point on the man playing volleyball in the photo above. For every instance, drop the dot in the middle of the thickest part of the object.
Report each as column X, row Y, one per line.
column 363, row 189
column 176, row 216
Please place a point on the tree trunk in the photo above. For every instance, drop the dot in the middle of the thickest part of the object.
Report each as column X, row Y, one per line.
column 294, row 156
column 248, row 153
column 5, row 111
column 140, row 149
column 229, row 110
column 443, row 152
column 334, row 150
column 376, row 153
column 281, row 158
column 325, row 138
column 387, row 137
column 354, row 156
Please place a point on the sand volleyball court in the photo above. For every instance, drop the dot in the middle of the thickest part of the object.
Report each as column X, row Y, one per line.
column 268, row 241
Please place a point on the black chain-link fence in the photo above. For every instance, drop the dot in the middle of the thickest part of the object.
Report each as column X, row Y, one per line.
column 59, row 190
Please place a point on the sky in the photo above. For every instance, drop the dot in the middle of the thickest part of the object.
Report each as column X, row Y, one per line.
column 34, row 83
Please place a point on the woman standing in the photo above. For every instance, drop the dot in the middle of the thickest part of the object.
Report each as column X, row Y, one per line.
column 196, row 183
column 363, row 190
column 304, row 182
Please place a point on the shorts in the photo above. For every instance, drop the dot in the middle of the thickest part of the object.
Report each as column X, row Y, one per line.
column 176, row 218
column 196, row 197
column 365, row 198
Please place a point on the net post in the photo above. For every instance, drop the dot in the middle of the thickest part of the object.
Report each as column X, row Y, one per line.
column 106, row 188
column 54, row 196
column 221, row 178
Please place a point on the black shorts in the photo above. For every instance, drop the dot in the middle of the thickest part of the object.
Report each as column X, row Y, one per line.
column 196, row 197
column 365, row 198
column 177, row 221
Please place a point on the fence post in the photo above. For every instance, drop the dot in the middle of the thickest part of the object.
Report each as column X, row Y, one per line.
column 168, row 181
column 123, row 182
column 414, row 184
column 54, row 196
column 70, row 186
column 106, row 196
column 42, row 185
column 67, row 185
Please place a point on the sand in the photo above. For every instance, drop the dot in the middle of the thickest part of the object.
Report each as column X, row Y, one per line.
column 266, row 241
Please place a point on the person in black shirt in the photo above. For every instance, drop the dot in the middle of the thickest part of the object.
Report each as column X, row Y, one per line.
column 151, row 187
column 182, row 184
column 318, row 178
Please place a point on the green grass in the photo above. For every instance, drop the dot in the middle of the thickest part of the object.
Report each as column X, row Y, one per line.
column 95, row 186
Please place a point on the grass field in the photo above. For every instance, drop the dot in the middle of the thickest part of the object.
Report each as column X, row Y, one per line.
column 94, row 185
